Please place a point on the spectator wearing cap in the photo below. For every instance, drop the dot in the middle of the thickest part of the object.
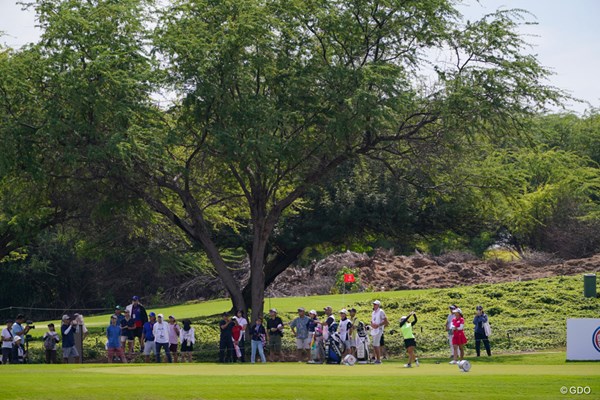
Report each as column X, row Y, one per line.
column 328, row 325
column 275, row 333
column 119, row 314
column 174, row 332
column 113, row 347
column 458, row 335
column 127, row 332
column 226, row 339
column 7, row 342
column 140, row 317
column 479, row 321
column 67, row 330
column 148, row 337
column 378, row 323
column 50, row 340
column 344, row 330
column 299, row 327
column 243, row 323
column 353, row 333
column 18, row 350
column 160, row 330
column 449, row 329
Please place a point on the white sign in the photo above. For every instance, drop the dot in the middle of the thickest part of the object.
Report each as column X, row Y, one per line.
column 583, row 339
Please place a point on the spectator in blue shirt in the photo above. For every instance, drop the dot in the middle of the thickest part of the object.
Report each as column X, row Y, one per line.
column 67, row 329
column 119, row 314
column 148, row 337
column 299, row 328
column 113, row 347
column 17, row 328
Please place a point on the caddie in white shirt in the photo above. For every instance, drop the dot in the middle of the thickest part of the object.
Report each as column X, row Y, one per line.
column 378, row 323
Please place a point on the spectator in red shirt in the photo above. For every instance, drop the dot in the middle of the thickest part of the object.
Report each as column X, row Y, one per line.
column 236, row 334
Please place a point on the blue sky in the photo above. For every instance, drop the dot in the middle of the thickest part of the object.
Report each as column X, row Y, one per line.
column 566, row 38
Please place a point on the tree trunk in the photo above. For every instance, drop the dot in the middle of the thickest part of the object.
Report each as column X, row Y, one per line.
column 231, row 285
column 257, row 277
column 273, row 269
column 200, row 234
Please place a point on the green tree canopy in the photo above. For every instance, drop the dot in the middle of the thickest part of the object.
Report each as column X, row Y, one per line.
column 269, row 99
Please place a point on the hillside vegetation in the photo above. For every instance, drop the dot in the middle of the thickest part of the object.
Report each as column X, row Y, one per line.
column 524, row 316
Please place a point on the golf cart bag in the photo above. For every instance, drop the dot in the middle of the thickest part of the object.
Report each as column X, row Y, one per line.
column 362, row 344
column 317, row 353
column 334, row 349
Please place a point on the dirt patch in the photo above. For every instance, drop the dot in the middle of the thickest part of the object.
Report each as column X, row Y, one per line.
column 384, row 271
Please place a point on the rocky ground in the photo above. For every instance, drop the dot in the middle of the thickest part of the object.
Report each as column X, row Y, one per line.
column 385, row 271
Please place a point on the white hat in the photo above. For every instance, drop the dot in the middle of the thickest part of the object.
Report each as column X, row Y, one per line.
column 377, row 302
column 312, row 312
column 65, row 317
column 160, row 316
column 17, row 338
column 343, row 311
column 457, row 310
column 273, row 310
column 403, row 317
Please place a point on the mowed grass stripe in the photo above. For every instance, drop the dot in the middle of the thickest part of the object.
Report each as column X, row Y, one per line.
column 389, row 369
column 294, row 381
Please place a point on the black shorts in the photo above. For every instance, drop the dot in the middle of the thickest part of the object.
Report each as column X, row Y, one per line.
column 173, row 348
column 410, row 343
column 138, row 332
column 128, row 334
column 185, row 348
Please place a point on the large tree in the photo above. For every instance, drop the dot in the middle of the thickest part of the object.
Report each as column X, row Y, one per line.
column 270, row 98
column 276, row 95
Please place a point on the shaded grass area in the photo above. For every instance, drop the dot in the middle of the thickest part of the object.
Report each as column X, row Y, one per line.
column 508, row 377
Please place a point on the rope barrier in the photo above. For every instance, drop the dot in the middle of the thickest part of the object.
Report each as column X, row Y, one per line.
column 54, row 309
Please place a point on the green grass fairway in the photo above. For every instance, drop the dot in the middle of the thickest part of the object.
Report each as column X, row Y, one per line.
column 509, row 377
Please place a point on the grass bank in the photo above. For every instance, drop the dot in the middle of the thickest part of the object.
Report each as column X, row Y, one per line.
column 525, row 316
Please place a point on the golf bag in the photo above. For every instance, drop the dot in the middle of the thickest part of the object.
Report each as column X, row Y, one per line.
column 362, row 344
column 334, row 348
column 317, row 353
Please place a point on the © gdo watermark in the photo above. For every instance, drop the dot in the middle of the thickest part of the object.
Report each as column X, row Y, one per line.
column 583, row 390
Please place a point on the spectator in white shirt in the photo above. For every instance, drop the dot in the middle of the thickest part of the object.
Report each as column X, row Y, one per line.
column 161, row 338
column 7, row 342
column 449, row 329
column 378, row 323
column 187, row 339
